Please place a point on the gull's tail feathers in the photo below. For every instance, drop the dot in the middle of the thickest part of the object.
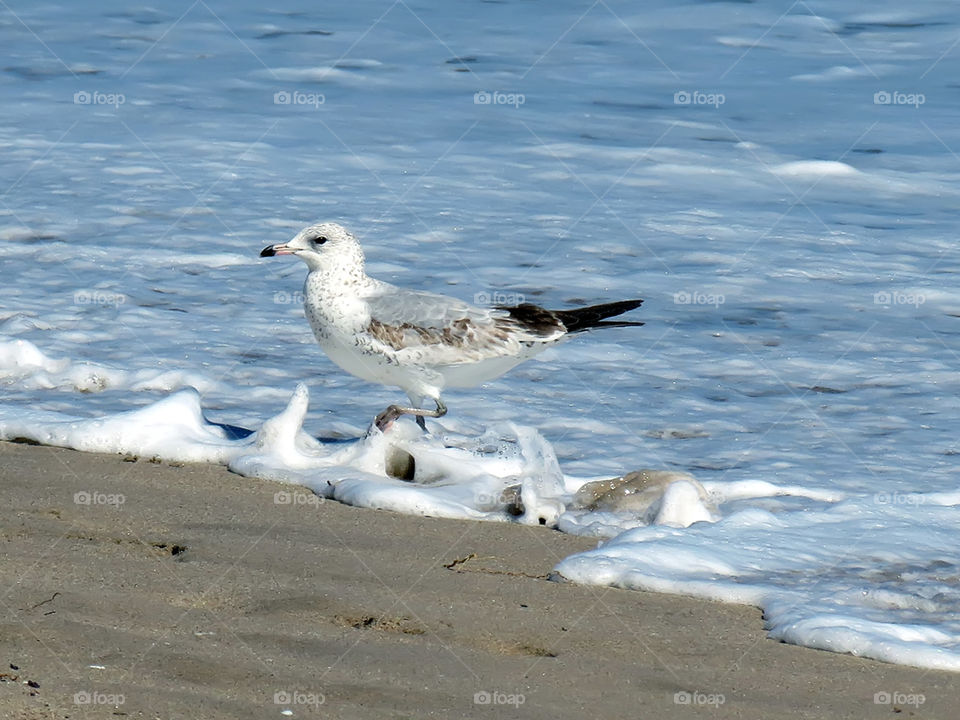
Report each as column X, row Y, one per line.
column 554, row 323
column 594, row 316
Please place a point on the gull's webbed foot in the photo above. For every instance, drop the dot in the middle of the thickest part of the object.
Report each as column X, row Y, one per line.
column 386, row 418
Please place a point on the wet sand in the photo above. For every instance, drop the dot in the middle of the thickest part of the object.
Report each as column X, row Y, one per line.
column 189, row 592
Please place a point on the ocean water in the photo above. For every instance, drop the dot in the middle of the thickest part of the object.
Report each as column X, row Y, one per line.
column 778, row 181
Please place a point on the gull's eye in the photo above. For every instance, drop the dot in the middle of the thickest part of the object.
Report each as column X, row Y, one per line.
column 320, row 240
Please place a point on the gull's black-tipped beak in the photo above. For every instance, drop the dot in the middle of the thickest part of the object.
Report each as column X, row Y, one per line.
column 279, row 249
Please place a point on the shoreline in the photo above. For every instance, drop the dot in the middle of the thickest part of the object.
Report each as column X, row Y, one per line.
column 187, row 591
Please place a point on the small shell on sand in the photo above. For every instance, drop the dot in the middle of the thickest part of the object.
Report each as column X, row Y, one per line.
column 642, row 492
column 398, row 463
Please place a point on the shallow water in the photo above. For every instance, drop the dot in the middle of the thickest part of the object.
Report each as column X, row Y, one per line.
column 794, row 245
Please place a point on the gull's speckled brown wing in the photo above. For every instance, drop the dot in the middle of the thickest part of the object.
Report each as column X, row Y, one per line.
column 431, row 329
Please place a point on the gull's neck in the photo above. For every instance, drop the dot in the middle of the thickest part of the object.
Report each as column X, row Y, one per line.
column 337, row 275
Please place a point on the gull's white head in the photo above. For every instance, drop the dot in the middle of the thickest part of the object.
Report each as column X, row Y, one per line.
column 324, row 246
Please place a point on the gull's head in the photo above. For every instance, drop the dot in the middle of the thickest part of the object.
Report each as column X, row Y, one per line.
column 324, row 246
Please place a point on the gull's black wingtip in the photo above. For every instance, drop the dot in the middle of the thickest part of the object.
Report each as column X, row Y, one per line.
column 591, row 317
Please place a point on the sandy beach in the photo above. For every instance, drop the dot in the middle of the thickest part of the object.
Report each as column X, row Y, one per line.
column 140, row 589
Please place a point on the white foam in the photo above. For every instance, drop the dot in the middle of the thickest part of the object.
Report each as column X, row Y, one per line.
column 835, row 593
column 23, row 363
column 456, row 476
column 172, row 429
column 815, row 169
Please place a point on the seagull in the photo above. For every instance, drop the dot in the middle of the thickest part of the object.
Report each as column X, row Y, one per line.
column 418, row 341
